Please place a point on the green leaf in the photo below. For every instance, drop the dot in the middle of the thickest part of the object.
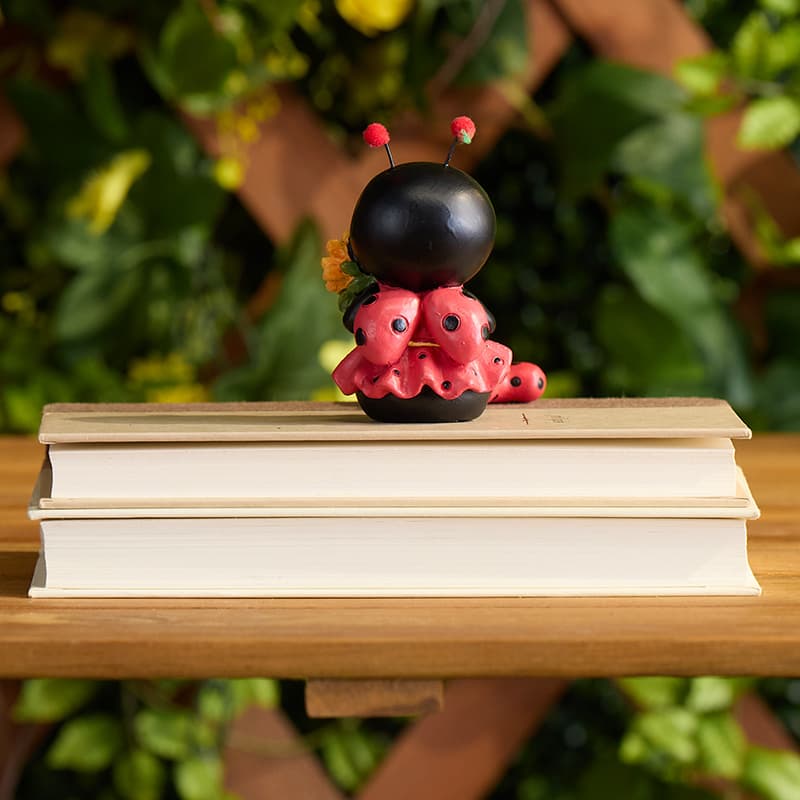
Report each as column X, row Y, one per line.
column 770, row 123
column 505, row 50
column 351, row 268
column 648, row 354
column 782, row 317
column 783, row 49
column 52, row 699
column 671, row 731
column 785, row 8
column 36, row 15
column 351, row 752
column 215, row 701
column 655, row 692
column 749, row 46
column 712, row 105
column 598, row 108
column 86, row 744
column 71, row 242
column 51, row 119
column 177, row 193
column 23, row 407
column 353, row 290
column 702, row 74
column 634, row 748
column 278, row 16
column 779, row 394
column 139, row 775
column 196, row 58
column 168, row 734
column 563, row 383
column 221, row 700
column 169, row 687
column 92, row 301
column 656, row 251
column 261, row 692
column 722, row 745
column 101, row 101
column 791, row 251
column 709, row 693
column 362, row 749
column 289, row 337
column 607, row 776
column 338, row 761
column 775, row 775
column 671, row 153
column 199, row 778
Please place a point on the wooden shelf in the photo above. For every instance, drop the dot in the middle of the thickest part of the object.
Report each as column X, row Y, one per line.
column 411, row 638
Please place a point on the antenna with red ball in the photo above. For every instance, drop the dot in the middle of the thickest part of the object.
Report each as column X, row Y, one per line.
column 463, row 130
column 376, row 135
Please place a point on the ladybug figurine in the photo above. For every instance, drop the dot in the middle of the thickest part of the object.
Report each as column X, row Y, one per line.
column 419, row 231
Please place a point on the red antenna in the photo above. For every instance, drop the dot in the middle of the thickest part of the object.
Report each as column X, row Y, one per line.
column 376, row 135
column 463, row 130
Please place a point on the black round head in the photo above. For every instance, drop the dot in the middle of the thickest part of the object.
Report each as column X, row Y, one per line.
column 422, row 225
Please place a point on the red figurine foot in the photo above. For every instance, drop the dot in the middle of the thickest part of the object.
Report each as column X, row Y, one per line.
column 523, row 383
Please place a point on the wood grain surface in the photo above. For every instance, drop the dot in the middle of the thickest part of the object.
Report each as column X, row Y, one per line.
column 461, row 752
column 412, row 638
column 337, row 697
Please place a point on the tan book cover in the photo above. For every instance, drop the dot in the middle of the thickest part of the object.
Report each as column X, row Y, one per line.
column 610, row 418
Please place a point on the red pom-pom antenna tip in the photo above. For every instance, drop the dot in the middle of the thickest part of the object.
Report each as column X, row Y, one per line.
column 376, row 135
column 463, row 130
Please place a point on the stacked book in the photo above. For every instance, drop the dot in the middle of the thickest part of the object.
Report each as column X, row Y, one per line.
column 580, row 497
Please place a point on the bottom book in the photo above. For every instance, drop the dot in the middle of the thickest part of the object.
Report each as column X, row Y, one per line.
column 453, row 556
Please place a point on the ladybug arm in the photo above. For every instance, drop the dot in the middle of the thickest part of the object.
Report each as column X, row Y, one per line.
column 349, row 314
column 383, row 326
column 489, row 315
column 457, row 322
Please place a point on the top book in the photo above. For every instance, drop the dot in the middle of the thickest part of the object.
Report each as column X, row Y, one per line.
column 332, row 452
column 639, row 418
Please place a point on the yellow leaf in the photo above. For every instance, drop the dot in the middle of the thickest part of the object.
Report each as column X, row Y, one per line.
column 104, row 192
column 372, row 18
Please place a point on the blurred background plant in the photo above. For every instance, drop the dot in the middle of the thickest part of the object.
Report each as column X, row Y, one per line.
column 131, row 270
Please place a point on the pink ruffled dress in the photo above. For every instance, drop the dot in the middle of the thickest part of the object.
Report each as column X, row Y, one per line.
column 406, row 341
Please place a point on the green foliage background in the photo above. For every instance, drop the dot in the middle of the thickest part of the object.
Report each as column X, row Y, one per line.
column 128, row 262
column 130, row 271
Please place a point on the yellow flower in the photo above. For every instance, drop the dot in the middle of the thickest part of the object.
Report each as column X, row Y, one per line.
column 329, row 355
column 371, row 17
column 264, row 106
column 229, row 173
column 82, row 34
column 172, row 368
column 14, row 302
column 190, row 393
column 167, row 379
column 247, row 129
column 335, row 279
column 308, row 16
column 332, row 352
column 103, row 193
column 332, row 394
column 236, row 82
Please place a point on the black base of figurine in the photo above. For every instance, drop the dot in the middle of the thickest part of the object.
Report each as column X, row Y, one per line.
column 427, row 406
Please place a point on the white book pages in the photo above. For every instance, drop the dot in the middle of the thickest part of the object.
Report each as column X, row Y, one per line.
column 319, row 471
column 362, row 557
